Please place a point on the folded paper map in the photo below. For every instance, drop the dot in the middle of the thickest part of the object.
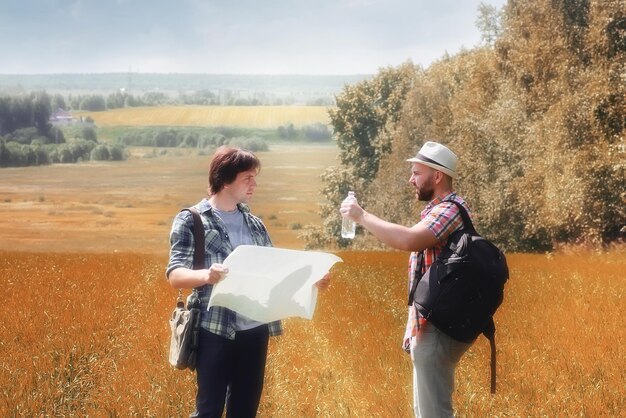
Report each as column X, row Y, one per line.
column 267, row 284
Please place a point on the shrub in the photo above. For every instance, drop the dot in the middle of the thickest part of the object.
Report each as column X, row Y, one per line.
column 251, row 144
column 100, row 153
column 317, row 132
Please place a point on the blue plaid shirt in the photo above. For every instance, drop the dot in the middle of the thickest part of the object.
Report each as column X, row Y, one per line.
column 218, row 320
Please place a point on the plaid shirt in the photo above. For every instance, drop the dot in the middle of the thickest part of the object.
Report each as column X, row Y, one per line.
column 442, row 219
column 218, row 320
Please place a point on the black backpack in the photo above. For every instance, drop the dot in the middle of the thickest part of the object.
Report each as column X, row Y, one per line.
column 463, row 287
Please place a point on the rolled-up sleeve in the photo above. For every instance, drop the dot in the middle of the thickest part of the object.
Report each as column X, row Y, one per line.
column 181, row 243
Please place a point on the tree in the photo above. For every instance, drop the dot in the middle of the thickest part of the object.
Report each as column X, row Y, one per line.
column 89, row 133
column 538, row 122
column 317, row 132
column 21, row 111
column 58, row 102
column 6, row 120
column 489, row 23
column 100, row 153
column 41, row 111
column 117, row 152
column 362, row 115
column 5, row 154
column 362, row 123
column 93, row 103
column 115, row 100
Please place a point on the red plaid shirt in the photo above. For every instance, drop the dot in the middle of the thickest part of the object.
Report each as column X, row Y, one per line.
column 442, row 219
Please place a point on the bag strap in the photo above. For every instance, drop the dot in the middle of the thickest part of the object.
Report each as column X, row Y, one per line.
column 198, row 245
column 467, row 221
column 417, row 276
column 198, row 239
column 490, row 333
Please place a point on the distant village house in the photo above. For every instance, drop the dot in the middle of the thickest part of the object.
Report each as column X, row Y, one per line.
column 61, row 116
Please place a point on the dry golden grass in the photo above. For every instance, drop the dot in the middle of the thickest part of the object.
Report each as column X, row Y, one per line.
column 129, row 206
column 243, row 116
column 86, row 334
column 85, row 307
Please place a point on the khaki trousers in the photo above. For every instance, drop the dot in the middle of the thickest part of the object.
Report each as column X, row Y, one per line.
column 435, row 356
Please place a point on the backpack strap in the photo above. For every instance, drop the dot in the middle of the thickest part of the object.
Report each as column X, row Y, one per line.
column 467, row 221
column 490, row 333
column 417, row 276
column 490, row 328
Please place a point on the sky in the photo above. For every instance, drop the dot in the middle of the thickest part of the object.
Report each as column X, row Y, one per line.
column 231, row 36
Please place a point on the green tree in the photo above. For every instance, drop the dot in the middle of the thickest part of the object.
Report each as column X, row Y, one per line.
column 41, row 111
column 362, row 123
column 363, row 113
column 6, row 120
column 93, row 103
column 317, row 132
column 117, row 152
column 5, row 154
column 100, row 153
column 21, row 111
column 89, row 133
column 58, row 102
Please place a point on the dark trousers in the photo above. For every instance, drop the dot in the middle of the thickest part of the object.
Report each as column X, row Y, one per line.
column 231, row 372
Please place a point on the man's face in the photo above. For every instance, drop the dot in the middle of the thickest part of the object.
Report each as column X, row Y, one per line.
column 423, row 179
column 242, row 189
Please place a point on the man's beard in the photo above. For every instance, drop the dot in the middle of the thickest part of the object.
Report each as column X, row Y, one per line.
column 426, row 192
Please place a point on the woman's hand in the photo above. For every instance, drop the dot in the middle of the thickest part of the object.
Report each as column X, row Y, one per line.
column 324, row 282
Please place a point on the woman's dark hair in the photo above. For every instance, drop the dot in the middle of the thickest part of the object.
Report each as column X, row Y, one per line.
column 227, row 162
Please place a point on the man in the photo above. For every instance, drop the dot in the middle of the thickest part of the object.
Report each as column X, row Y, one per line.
column 232, row 348
column 434, row 354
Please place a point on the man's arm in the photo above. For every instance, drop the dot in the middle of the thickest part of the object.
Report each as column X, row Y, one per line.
column 415, row 238
column 400, row 237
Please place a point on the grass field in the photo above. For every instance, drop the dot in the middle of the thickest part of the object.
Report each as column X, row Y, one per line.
column 244, row 116
column 85, row 307
column 86, row 334
column 129, row 206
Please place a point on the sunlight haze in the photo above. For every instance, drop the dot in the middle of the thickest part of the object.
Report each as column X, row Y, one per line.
column 231, row 37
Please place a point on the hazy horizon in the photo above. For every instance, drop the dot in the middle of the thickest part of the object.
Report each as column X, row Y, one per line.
column 284, row 37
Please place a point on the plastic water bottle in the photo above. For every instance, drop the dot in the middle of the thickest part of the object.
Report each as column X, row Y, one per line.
column 348, row 226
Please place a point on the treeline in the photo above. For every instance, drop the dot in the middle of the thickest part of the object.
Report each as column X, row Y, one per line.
column 210, row 138
column 197, row 89
column 537, row 116
column 13, row 154
column 120, row 99
column 202, row 139
column 28, row 138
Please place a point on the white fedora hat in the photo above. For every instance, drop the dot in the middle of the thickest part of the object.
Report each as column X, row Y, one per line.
column 438, row 157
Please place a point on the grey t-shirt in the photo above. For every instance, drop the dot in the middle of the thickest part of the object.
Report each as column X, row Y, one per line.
column 238, row 234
